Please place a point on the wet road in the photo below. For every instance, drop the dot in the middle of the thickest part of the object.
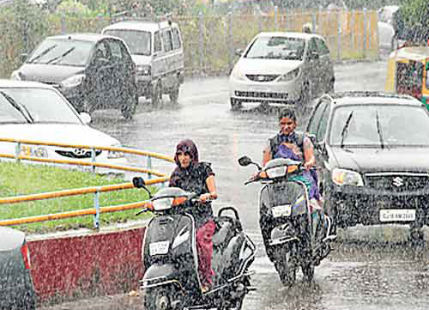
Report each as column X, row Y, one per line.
column 357, row 275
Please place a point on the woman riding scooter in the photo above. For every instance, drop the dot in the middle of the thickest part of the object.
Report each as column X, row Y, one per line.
column 198, row 177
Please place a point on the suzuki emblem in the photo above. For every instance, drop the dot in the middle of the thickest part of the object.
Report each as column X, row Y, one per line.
column 398, row 182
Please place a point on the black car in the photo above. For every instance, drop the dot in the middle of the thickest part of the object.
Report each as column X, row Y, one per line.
column 93, row 71
column 372, row 152
column 16, row 285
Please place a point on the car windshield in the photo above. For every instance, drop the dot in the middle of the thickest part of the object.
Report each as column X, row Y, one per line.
column 43, row 106
column 138, row 42
column 62, row 52
column 277, row 47
column 380, row 125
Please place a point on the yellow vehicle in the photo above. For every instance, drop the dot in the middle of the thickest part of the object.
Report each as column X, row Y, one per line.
column 408, row 72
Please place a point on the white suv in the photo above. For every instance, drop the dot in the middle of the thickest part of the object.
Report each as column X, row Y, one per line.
column 282, row 67
column 157, row 50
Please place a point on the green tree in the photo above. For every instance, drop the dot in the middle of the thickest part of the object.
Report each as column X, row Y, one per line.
column 415, row 17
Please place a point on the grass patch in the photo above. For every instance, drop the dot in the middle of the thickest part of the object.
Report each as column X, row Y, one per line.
column 23, row 179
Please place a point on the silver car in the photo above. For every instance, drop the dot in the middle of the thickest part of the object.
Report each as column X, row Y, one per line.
column 16, row 285
column 282, row 67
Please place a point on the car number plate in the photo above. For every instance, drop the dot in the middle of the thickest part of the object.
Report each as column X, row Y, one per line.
column 397, row 215
column 282, row 210
column 161, row 247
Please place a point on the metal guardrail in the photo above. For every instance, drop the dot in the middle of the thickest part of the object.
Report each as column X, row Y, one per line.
column 96, row 190
column 96, row 211
column 92, row 163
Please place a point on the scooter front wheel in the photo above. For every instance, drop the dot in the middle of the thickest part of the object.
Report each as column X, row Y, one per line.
column 161, row 299
column 286, row 268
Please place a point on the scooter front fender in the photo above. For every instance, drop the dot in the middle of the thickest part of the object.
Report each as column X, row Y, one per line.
column 161, row 274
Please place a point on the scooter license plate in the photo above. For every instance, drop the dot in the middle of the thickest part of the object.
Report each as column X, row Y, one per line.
column 397, row 215
column 282, row 210
column 157, row 248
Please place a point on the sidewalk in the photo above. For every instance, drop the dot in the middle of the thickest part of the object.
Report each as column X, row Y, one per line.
column 114, row 302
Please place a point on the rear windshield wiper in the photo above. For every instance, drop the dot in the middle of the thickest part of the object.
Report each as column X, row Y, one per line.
column 379, row 131
column 60, row 56
column 43, row 53
column 345, row 129
column 19, row 107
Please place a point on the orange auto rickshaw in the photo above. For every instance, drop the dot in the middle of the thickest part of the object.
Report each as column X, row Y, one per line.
column 408, row 72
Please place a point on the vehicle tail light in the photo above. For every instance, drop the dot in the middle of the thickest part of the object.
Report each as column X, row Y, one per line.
column 26, row 255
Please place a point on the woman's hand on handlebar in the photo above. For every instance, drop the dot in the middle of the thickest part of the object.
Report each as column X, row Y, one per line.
column 207, row 196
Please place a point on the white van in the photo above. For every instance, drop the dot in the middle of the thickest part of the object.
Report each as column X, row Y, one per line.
column 157, row 50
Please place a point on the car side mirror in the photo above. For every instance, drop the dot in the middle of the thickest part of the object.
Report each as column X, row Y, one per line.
column 23, row 57
column 314, row 55
column 322, row 148
column 85, row 118
column 239, row 52
column 312, row 137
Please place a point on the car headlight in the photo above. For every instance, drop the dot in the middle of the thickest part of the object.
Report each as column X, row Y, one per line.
column 73, row 81
column 346, row 177
column 16, row 75
column 291, row 75
column 35, row 151
column 144, row 70
column 237, row 74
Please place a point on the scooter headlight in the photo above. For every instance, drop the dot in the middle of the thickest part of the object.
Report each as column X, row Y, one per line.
column 276, row 172
column 162, row 204
column 346, row 177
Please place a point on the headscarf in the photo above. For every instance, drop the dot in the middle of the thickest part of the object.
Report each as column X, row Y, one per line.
column 187, row 146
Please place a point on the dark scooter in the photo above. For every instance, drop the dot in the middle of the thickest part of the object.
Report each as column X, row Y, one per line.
column 293, row 235
column 170, row 259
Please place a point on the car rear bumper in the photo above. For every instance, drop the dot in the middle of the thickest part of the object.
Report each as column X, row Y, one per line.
column 356, row 205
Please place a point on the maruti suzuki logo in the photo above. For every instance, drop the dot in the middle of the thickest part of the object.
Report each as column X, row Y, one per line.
column 398, row 182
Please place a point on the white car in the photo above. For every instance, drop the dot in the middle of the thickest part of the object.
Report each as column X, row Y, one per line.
column 36, row 111
column 283, row 68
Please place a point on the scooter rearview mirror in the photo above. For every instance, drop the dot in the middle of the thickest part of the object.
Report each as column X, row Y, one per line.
column 244, row 161
column 139, row 182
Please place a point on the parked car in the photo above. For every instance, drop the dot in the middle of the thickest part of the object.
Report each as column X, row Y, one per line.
column 157, row 50
column 16, row 284
column 36, row 111
column 373, row 164
column 282, row 67
column 92, row 71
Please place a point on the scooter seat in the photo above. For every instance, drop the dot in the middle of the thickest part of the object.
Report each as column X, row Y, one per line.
column 225, row 230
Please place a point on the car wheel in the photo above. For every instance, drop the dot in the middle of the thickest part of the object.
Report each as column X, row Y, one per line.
column 330, row 86
column 174, row 93
column 129, row 108
column 235, row 104
column 156, row 94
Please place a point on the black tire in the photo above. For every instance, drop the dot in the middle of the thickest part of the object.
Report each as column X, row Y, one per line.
column 417, row 237
column 308, row 271
column 156, row 94
column 159, row 298
column 174, row 93
column 330, row 86
column 129, row 108
column 286, row 268
column 235, row 104
column 304, row 97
